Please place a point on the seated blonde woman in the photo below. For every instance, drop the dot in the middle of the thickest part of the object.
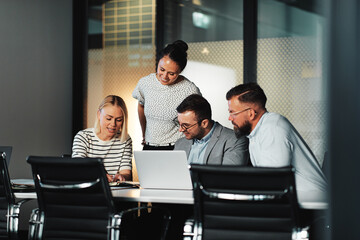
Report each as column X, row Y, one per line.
column 109, row 139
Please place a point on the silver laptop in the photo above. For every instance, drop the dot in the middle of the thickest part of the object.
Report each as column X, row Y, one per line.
column 6, row 150
column 163, row 170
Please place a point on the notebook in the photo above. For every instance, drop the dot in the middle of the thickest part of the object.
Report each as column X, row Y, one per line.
column 7, row 151
column 163, row 170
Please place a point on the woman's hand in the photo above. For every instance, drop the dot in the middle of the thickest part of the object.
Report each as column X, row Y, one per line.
column 115, row 178
column 119, row 177
column 110, row 177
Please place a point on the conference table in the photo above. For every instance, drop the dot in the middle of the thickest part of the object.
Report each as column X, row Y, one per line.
column 180, row 202
column 307, row 200
column 311, row 200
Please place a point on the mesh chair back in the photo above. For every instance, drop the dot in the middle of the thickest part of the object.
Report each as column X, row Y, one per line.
column 74, row 197
column 244, row 202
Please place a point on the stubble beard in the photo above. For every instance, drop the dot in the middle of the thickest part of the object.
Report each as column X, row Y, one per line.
column 244, row 130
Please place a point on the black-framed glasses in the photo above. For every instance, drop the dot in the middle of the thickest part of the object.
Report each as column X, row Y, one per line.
column 236, row 113
column 185, row 127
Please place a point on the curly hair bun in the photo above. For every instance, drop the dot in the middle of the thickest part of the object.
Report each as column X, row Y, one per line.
column 181, row 44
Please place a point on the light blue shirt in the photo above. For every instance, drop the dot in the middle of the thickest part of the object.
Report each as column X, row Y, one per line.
column 198, row 148
column 274, row 142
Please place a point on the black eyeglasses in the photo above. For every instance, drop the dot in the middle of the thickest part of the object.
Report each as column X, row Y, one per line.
column 185, row 128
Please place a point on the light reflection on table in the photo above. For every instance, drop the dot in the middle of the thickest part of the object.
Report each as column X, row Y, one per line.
column 307, row 200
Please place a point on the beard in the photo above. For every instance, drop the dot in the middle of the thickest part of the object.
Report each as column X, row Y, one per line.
column 200, row 134
column 244, row 130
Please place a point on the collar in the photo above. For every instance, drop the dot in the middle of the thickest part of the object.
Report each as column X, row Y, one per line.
column 255, row 130
column 207, row 136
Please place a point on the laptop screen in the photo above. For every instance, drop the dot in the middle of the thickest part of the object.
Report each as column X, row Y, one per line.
column 163, row 169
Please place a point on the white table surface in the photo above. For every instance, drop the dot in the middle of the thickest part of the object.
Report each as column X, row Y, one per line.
column 309, row 200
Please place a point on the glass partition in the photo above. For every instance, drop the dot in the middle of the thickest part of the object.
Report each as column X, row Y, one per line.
column 214, row 32
column 121, row 51
column 289, row 68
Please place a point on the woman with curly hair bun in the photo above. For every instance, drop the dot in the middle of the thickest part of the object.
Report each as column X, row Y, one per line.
column 159, row 94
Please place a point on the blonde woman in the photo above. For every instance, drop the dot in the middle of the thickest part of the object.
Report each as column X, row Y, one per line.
column 109, row 139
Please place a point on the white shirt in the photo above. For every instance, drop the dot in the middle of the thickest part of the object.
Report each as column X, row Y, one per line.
column 160, row 103
column 199, row 147
column 274, row 142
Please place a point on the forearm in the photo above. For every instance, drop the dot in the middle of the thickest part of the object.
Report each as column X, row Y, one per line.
column 125, row 168
column 123, row 175
column 127, row 174
column 142, row 119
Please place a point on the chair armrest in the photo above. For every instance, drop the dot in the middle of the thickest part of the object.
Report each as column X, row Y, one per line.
column 189, row 229
column 22, row 201
column 192, row 230
column 35, row 224
column 13, row 218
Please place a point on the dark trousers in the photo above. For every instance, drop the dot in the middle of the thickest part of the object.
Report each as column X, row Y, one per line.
column 179, row 214
column 142, row 224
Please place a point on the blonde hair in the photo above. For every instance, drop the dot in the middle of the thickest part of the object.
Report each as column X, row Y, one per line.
column 114, row 100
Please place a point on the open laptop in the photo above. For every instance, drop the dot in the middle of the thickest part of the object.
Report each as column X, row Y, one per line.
column 7, row 150
column 163, row 170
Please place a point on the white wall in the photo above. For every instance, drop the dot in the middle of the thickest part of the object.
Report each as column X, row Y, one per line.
column 214, row 82
column 35, row 79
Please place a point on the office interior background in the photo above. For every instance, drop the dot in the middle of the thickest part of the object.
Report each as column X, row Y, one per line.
column 61, row 58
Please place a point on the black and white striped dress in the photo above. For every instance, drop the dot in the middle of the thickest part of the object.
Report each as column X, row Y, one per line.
column 117, row 155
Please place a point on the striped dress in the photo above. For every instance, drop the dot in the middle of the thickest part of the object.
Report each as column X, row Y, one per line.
column 117, row 155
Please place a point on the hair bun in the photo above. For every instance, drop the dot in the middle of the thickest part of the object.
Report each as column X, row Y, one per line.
column 176, row 51
column 181, row 44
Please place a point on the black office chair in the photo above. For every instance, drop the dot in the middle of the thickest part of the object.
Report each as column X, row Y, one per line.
column 244, row 203
column 9, row 207
column 75, row 200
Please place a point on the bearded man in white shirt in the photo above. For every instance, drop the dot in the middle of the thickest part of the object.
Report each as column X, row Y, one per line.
column 273, row 140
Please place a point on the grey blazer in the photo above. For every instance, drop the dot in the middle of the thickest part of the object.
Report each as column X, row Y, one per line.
column 223, row 148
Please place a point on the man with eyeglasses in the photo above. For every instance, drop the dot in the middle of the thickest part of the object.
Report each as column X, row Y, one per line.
column 273, row 140
column 207, row 141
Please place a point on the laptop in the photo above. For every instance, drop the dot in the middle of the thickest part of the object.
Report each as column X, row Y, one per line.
column 7, row 150
column 163, row 170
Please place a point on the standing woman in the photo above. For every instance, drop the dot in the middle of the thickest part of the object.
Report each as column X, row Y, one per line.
column 109, row 139
column 159, row 94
